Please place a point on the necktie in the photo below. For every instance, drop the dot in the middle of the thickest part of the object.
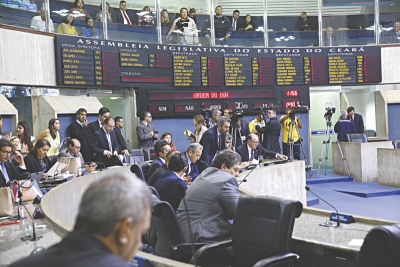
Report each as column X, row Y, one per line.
column 126, row 17
column 220, row 142
column 4, row 171
column 234, row 25
column 330, row 40
column 109, row 141
column 252, row 155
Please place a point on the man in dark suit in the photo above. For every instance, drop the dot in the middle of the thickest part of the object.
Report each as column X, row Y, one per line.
column 170, row 186
column 161, row 148
column 119, row 123
column 123, row 16
column 161, row 170
column 212, row 200
column 195, row 164
column 8, row 172
column 107, row 232
column 344, row 126
column 329, row 38
column 78, row 130
column 357, row 119
column 252, row 149
column 235, row 20
column 105, row 144
column 271, row 131
column 213, row 140
column 94, row 126
column 146, row 133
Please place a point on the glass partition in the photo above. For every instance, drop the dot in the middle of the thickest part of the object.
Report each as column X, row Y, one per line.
column 24, row 14
column 288, row 27
column 389, row 18
column 348, row 23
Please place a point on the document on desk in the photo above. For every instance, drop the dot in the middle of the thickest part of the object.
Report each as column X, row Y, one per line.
column 57, row 168
column 356, row 242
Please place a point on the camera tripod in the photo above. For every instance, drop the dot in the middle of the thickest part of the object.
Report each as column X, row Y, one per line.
column 292, row 128
column 235, row 132
column 325, row 146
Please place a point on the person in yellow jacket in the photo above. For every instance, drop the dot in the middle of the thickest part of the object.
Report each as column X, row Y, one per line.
column 290, row 128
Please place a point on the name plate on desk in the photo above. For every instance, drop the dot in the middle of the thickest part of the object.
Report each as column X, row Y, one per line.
column 138, row 261
column 344, row 218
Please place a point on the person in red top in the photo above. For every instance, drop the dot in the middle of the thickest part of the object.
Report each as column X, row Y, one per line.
column 167, row 137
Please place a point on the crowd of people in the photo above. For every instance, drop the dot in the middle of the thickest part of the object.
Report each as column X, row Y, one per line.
column 205, row 173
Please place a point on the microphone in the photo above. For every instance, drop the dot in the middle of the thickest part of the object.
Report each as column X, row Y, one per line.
column 251, row 167
column 189, row 135
column 59, row 163
column 326, row 224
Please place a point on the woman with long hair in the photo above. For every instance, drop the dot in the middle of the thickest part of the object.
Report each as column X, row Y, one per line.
column 99, row 15
column 248, row 24
column 67, row 26
column 199, row 123
column 52, row 135
column 165, row 21
column 37, row 160
column 79, row 6
column 23, row 141
column 167, row 137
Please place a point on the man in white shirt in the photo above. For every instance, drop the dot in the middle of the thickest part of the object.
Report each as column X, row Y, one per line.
column 39, row 23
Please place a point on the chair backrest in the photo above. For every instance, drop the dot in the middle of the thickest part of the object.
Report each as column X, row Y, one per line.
column 357, row 138
column 262, row 228
column 137, row 169
column 150, row 236
column 145, row 168
column 169, row 231
column 370, row 133
column 381, row 247
column 148, row 153
column 137, row 155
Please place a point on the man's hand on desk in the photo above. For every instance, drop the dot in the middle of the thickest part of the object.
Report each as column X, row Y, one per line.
column 280, row 156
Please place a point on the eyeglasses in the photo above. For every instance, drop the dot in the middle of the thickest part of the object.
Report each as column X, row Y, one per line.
column 254, row 142
column 6, row 152
column 77, row 147
column 149, row 116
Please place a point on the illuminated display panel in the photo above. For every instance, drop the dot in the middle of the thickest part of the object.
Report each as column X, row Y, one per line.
column 85, row 62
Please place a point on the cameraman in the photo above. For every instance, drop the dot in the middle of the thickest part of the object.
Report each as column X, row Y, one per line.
column 290, row 125
column 344, row 126
column 187, row 27
column 271, row 131
column 241, row 127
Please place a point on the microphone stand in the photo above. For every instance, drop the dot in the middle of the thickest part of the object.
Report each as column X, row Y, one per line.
column 244, row 179
column 32, row 237
column 326, row 224
column 59, row 163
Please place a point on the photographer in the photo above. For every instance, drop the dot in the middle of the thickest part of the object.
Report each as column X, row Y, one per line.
column 241, row 127
column 271, row 131
column 344, row 126
column 184, row 30
column 290, row 123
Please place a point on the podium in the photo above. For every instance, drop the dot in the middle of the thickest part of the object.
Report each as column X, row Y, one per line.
column 361, row 159
column 280, row 180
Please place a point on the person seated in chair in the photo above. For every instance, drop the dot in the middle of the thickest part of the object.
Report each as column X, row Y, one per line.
column 171, row 186
column 73, row 151
column 195, row 164
column 161, row 148
column 37, row 160
column 8, row 172
column 161, row 170
column 212, row 200
column 252, row 149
